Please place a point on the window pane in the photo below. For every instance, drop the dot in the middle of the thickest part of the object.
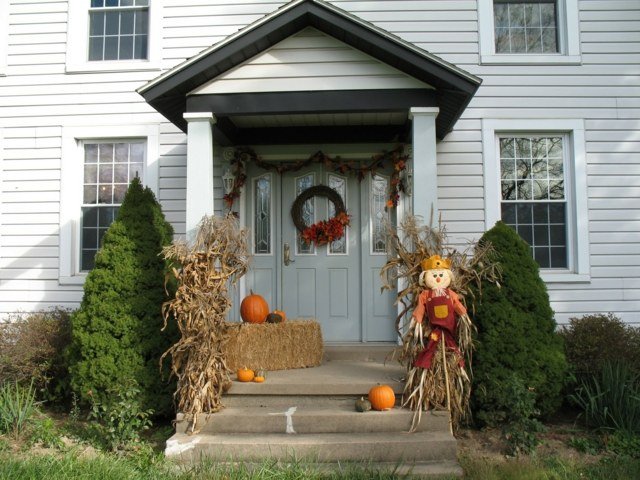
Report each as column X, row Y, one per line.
column 549, row 40
column 140, row 47
column 121, row 173
column 126, row 23
column 96, row 23
column 112, row 23
column 97, row 3
column 526, row 232
column 126, row 3
column 379, row 213
column 524, row 213
column 542, row 257
column 111, row 48
column 90, row 194
column 135, row 170
column 137, row 152
column 516, row 15
column 105, row 194
column 556, row 212
column 507, row 148
column 508, row 168
column 111, row 3
column 106, row 173
column 541, row 213
column 509, row 213
column 339, row 184
column 96, row 47
column 508, row 189
column 262, row 219
column 534, row 40
column 540, row 189
column 558, row 257
column 91, row 173
column 524, row 190
column 121, row 152
column 501, row 15
column 118, row 192
column 141, row 22
column 126, row 48
column 308, row 211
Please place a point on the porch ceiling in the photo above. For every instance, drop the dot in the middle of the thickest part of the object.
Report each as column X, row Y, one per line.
column 284, row 114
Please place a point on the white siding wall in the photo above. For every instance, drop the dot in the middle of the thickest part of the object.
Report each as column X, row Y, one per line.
column 37, row 98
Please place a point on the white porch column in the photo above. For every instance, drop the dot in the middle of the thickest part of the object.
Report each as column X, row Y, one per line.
column 199, row 168
column 425, row 167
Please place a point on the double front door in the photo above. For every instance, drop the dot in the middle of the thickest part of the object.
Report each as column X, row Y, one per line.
column 337, row 284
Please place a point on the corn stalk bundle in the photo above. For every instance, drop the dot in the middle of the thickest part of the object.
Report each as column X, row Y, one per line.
column 205, row 270
column 426, row 389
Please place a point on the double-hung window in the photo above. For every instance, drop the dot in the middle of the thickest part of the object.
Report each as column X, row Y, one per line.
column 109, row 167
column 535, row 182
column 98, row 164
column 529, row 31
column 118, row 30
column 113, row 35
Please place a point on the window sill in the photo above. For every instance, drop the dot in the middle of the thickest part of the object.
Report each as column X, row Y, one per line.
column 564, row 277
column 78, row 279
column 107, row 67
column 525, row 59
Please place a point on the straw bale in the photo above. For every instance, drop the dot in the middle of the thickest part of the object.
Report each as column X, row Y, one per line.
column 274, row 346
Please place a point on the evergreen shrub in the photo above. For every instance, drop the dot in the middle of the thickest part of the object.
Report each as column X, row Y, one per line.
column 516, row 332
column 592, row 340
column 116, row 333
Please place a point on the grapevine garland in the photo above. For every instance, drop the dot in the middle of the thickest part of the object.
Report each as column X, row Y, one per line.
column 397, row 157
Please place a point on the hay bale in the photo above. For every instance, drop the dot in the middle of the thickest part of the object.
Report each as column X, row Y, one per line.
column 274, row 346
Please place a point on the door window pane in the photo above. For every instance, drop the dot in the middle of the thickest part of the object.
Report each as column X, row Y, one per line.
column 308, row 212
column 379, row 213
column 262, row 216
column 339, row 184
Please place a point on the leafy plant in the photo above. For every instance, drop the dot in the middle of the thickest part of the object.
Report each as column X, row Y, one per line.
column 120, row 419
column 589, row 445
column 610, row 399
column 32, row 351
column 43, row 431
column 17, row 406
column 624, row 443
column 592, row 340
column 516, row 331
column 116, row 333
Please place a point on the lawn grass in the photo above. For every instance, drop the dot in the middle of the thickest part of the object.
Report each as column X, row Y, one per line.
column 68, row 466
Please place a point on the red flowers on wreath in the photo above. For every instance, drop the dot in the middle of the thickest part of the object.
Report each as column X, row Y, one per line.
column 326, row 231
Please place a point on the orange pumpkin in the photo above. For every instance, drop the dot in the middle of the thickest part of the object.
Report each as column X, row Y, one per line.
column 254, row 309
column 382, row 397
column 245, row 374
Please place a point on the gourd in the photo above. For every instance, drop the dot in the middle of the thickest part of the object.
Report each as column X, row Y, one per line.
column 245, row 374
column 275, row 317
column 363, row 405
column 254, row 308
column 282, row 314
column 260, row 377
column 382, row 397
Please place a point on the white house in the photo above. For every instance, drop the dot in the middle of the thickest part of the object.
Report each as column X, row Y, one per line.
column 525, row 110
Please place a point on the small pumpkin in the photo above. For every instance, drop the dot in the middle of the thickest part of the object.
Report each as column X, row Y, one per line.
column 254, row 308
column 382, row 397
column 274, row 317
column 363, row 405
column 245, row 374
column 281, row 313
column 260, row 377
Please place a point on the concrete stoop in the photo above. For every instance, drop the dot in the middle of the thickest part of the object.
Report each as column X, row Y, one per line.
column 308, row 415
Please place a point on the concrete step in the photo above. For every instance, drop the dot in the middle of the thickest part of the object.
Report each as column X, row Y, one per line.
column 286, row 401
column 319, row 447
column 367, row 352
column 334, row 378
column 312, row 419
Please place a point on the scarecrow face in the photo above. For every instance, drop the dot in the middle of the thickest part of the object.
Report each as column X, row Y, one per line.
column 437, row 278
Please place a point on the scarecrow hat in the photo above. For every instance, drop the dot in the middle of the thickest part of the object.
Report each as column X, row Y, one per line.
column 435, row 262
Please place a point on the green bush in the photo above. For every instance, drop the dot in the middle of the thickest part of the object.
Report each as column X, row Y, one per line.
column 116, row 333
column 32, row 349
column 516, row 332
column 593, row 340
column 610, row 399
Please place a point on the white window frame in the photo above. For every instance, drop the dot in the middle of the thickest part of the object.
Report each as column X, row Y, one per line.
column 574, row 152
column 568, row 38
column 4, row 37
column 72, row 182
column 78, row 42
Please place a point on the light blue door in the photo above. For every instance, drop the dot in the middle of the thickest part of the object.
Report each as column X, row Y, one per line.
column 336, row 284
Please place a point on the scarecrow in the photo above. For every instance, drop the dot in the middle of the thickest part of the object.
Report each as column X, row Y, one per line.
column 438, row 305
column 441, row 328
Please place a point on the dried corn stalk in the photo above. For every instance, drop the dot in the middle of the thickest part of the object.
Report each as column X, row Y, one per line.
column 425, row 389
column 207, row 268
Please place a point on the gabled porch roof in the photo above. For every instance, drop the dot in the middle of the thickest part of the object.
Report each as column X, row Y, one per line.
column 452, row 87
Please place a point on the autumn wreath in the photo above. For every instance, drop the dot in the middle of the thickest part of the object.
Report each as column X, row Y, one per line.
column 324, row 231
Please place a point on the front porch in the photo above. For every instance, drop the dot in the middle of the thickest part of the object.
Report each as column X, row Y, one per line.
column 309, row 415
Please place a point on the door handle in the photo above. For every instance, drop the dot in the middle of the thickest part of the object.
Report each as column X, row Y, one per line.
column 287, row 255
